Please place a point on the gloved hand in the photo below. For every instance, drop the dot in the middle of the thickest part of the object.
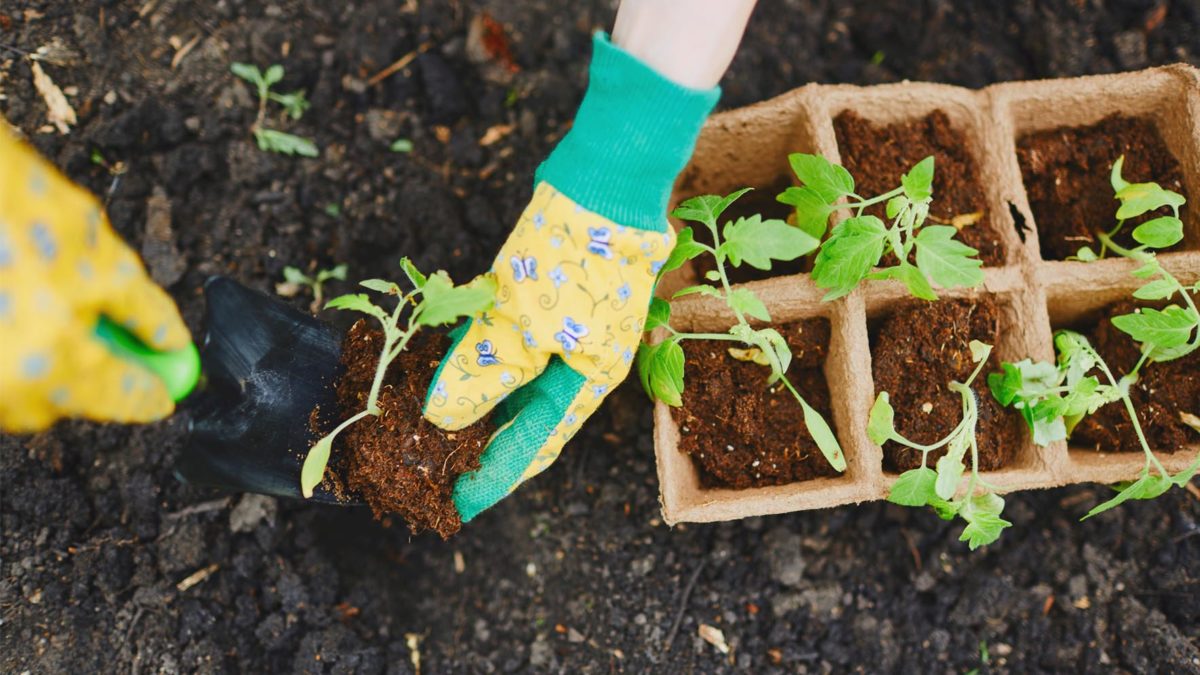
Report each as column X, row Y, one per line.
column 61, row 269
column 575, row 277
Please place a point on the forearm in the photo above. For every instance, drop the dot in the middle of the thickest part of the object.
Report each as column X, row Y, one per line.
column 690, row 42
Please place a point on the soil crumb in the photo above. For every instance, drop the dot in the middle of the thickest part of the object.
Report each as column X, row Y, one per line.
column 916, row 352
column 878, row 155
column 398, row 462
column 742, row 433
column 1066, row 173
column 1162, row 392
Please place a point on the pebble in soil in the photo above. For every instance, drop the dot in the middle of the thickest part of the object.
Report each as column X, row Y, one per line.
column 915, row 353
column 743, row 433
column 398, row 462
column 1066, row 173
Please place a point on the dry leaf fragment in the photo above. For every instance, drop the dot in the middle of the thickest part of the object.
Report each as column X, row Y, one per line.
column 413, row 642
column 496, row 133
column 966, row 219
column 751, row 354
column 714, row 637
column 1190, row 420
column 196, row 577
column 60, row 113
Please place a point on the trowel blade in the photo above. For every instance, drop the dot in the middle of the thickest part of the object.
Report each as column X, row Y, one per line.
column 266, row 367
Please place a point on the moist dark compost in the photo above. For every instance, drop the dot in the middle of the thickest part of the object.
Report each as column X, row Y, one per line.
column 878, row 155
column 742, row 433
column 1066, row 173
column 398, row 462
column 1161, row 393
column 916, row 352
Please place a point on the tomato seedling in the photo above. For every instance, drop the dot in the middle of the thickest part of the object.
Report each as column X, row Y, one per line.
column 294, row 104
column 978, row 505
column 856, row 246
column 298, row 279
column 752, row 241
column 435, row 301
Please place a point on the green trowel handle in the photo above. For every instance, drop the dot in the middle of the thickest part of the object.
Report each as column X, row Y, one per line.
column 179, row 370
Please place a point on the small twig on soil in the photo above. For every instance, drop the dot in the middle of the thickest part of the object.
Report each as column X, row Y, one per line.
column 196, row 577
column 398, row 64
column 683, row 600
column 202, row 507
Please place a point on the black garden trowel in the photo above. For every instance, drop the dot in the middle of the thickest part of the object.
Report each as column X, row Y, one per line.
column 266, row 366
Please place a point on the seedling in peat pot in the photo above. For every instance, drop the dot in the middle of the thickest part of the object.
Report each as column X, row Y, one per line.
column 755, row 242
column 294, row 104
column 1054, row 398
column 298, row 279
column 435, row 301
column 859, row 243
column 979, row 505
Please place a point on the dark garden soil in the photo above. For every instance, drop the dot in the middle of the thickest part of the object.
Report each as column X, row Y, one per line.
column 915, row 353
column 398, row 462
column 1161, row 393
column 1066, row 173
column 878, row 155
column 574, row 572
column 742, row 433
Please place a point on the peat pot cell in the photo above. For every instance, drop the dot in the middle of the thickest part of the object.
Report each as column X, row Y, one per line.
column 1161, row 393
column 1066, row 175
column 916, row 351
column 739, row 431
column 398, row 462
column 878, row 155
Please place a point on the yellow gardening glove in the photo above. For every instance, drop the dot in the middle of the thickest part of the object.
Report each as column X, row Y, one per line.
column 62, row 268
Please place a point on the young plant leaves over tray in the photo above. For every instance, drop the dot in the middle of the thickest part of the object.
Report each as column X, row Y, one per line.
column 660, row 368
column 846, row 258
column 827, row 180
column 946, row 260
column 745, row 301
column 757, row 242
column 445, row 302
column 659, row 314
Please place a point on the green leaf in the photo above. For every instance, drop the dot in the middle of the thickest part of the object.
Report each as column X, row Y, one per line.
column 401, row 145
column 918, row 286
column 358, row 302
column 703, row 289
column 945, row 260
column 918, row 182
column 248, row 72
column 1162, row 232
column 712, row 275
column 294, row 103
column 293, row 275
column 982, row 529
column 812, row 213
column 1149, row 269
column 1171, row 327
column 660, row 368
column 1118, row 183
column 380, row 285
column 706, row 208
column 949, row 474
column 442, row 302
column 338, row 272
column 914, row 487
column 1086, row 254
column 1139, row 198
column 1159, row 289
column 745, row 301
column 881, row 422
column 659, row 314
column 896, row 205
column 273, row 74
column 775, row 348
column 685, row 249
column 819, row 429
column 285, row 144
column 415, row 277
column 757, row 242
column 830, row 181
column 1047, row 431
column 848, row 255
column 314, row 466
column 1147, row 487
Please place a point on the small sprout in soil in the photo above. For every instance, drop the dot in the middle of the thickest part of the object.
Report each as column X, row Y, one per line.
column 435, row 301
column 294, row 276
column 294, row 104
column 1053, row 399
column 755, row 242
column 401, row 145
column 1138, row 199
column 859, row 243
column 979, row 505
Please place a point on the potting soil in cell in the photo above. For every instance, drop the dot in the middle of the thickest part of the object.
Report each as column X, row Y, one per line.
column 1161, row 393
column 398, row 462
column 915, row 353
column 742, row 433
column 1066, row 173
column 877, row 156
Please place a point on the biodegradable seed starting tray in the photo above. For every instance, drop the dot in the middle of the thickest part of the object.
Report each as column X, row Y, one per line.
column 749, row 147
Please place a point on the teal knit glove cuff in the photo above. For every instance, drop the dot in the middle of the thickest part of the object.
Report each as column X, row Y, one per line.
column 633, row 134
